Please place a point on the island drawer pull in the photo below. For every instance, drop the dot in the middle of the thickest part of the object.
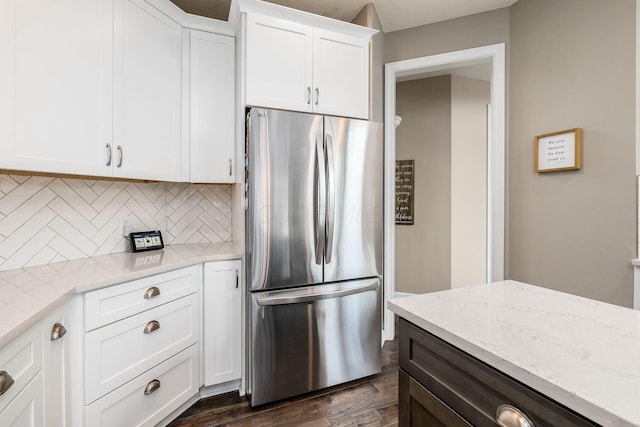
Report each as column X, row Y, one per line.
column 151, row 292
column 151, row 326
column 6, row 381
column 151, row 387
column 510, row 416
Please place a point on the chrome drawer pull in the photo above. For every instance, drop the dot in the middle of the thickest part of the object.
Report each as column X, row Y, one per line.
column 510, row 416
column 151, row 292
column 6, row 381
column 151, row 326
column 151, row 387
column 57, row 331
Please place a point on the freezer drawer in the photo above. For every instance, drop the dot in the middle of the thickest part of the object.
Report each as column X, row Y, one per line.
column 305, row 339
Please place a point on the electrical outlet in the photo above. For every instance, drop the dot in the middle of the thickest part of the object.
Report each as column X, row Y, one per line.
column 125, row 225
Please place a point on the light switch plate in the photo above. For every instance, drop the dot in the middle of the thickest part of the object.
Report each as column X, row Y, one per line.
column 146, row 241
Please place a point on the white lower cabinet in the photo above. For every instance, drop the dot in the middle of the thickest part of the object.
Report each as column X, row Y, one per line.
column 26, row 410
column 123, row 350
column 142, row 364
column 222, row 296
column 56, row 367
column 149, row 398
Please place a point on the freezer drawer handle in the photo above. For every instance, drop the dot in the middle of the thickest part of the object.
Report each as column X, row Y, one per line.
column 151, row 387
column 281, row 300
column 6, row 381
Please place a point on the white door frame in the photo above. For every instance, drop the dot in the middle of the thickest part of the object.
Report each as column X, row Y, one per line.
column 495, row 158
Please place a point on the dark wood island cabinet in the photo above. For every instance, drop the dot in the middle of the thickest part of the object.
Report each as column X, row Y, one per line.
column 440, row 385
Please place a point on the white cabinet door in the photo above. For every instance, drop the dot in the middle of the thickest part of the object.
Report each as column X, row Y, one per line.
column 147, row 92
column 222, row 322
column 340, row 74
column 279, row 65
column 57, row 366
column 212, row 107
column 26, row 409
column 55, row 85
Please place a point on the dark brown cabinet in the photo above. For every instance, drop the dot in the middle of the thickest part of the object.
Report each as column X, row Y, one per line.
column 440, row 385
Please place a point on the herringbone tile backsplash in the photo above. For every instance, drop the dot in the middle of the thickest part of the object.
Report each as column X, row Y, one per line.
column 45, row 220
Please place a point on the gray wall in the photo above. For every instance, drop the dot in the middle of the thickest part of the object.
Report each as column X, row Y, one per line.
column 573, row 65
column 570, row 63
column 462, row 33
column 423, row 250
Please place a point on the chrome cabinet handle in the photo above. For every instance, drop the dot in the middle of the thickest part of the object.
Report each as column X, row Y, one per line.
column 108, row 147
column 6, row 381
column 152, row 292
column 510, row 416
column 230, row 169
column 151, row 326
column 308, row 95
column 57, row 331
column 121, row 153
column 317, row 96
column 151, row 387
column 237, row 279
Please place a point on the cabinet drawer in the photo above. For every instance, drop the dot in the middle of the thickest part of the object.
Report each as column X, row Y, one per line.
column 111, row 304
column 27, row 409
column 130, row 406
column 22, row 360
column 118, row 352
column 471, row 388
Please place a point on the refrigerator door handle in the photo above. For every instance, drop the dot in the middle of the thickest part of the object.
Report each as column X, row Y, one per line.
column 319, row 199
column 294, row 298
column 331, row 198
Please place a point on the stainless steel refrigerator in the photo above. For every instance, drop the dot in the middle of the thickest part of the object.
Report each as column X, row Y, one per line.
column 314, row 251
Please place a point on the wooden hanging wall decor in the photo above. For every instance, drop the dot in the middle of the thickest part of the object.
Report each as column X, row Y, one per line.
column 558, row 151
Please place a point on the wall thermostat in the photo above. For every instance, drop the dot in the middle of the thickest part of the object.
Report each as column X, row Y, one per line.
column 146, row 241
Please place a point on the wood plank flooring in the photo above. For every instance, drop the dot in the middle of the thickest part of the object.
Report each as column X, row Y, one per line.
column 371, row 401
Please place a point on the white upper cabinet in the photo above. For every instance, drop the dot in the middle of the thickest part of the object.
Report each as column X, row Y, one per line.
column 303, row 62
column 279, row 63
column 212, row 84
column 91, row 87
column 55, row 85
column 340, row 74
column 147, row 93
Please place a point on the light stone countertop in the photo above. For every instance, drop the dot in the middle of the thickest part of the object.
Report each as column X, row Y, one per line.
column 582, row 353
column 28, row 294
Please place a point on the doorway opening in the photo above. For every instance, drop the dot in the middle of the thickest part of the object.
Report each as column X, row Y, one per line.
column 423, row 73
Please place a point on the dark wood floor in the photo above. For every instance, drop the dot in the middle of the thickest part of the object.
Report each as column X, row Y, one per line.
column 371, row 401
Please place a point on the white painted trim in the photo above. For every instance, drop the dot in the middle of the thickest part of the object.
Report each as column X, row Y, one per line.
column 636, row 287
column 289, row 14
column 495, row 157
column 638, row 93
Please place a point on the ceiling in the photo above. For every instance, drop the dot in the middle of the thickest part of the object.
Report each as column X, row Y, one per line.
column 394, row 14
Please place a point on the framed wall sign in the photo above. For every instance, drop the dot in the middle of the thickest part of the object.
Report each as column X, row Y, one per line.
column 404, row 192
column 558, row 151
